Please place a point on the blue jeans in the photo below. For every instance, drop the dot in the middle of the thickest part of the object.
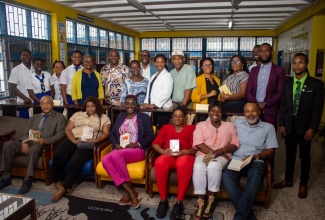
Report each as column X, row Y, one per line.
column 243, row 201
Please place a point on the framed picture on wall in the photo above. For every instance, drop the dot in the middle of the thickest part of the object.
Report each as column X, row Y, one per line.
column 319, row 63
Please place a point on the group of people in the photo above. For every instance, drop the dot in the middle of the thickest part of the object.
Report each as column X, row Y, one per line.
column 204, row 151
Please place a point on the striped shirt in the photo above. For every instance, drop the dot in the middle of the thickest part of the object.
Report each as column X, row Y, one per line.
column 130, row 126
column 234, row 80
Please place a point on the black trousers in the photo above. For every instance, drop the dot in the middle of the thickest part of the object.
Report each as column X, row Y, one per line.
column 68, row 151
column 291, row 141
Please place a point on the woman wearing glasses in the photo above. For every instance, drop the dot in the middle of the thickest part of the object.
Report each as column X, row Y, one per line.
column 207, row 84
column 235, row 100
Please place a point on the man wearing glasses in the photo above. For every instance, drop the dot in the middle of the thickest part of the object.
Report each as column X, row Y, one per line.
column 147, row 69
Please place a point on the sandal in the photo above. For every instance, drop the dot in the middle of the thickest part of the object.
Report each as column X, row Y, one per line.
column 58, row 195
column 135, row 203
column 125, row 200
column 210, row 207
column 198, row 214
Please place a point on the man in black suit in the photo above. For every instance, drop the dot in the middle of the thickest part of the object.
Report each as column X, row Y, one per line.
column 299, row 117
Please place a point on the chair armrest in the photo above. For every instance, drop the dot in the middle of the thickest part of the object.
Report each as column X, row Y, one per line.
column 268, row 173
column 152, row 156
column 102, row 148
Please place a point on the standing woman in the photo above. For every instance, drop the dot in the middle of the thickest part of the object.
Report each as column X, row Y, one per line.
column 181, row 161
column 58, row 67
column 135, row 84
column 236, row 83
column 159, row 91
column 86, row 82
column 39, row 83
column 138, row 125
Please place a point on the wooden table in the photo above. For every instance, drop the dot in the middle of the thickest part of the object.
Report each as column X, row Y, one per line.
column 14, row 207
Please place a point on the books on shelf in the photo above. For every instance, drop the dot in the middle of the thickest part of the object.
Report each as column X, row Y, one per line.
column 124, row 139
column 224, row 89
column 237, row 165
column 33, row 135
column 190, row 118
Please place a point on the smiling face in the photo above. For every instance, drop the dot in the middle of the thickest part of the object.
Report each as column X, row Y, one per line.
column 76, row 59
column 265, row 54
column 207, row 66
column 236, row 64
column 26, row 57
column 90, row 108
column 178, row 61
column 255, row 53
column 299, row 65
column 178, row 118
column 135, row 69
column 215, row 114
column 130, row 105
column 113, row 58
column 252, row 113
column 58, row 68
column 88, row 62
column 38, row 66
column 145, row 57
column 160, row 64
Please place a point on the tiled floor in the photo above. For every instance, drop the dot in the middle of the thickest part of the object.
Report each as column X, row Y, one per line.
column 285, row 203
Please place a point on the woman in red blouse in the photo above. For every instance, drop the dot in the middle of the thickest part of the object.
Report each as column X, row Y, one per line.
column 171, row 137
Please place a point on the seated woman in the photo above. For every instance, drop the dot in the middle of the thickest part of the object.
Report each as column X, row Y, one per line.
column 136, row 84
column 39, row 83
column 86, row 82
column 215, row 141
column 139, row 127
column 236, row 83
column 159, row 91
column 182, row 160
column 93, row 117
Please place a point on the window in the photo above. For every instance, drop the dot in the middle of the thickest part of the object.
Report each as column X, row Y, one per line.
column 214, row 43
column 261, row 40
column 103, row 38
column 131, row 43
column 163, row 44
column 194, row 44
column 81, row 34
column 149, row 44
column 247, row 43
column 93, row 36
column 125, row 43
column 40, row 25
column 112, row 40
column 16, row 21
column 230, row 44
column 70, row 32
column 179, row 44
column 118, row 41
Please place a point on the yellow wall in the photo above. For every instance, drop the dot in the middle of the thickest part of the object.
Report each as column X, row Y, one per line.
column 60, row 13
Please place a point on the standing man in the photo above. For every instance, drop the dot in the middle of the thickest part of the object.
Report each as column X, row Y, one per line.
column 300, row 113
column 18, row 78
column 264, row 85
column 113, row 76
column 256, row 138
column 67, row 75
column 255, row 57
column 147, row 69
column 52, row 126
column 184, row 79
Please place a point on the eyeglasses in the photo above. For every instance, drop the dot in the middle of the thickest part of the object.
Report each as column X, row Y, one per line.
column 145, row 55
column 207, row 65
column 235, row 61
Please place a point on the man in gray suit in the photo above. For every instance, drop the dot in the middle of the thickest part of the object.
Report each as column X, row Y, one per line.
column 52, row 126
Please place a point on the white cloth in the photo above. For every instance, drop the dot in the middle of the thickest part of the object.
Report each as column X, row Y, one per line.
column 145, row 72
column 211, row 173
column 19, row 76
column 57, row 88
column 67, row 75
column 161, row 90
column 35, row 84
column 251, row 66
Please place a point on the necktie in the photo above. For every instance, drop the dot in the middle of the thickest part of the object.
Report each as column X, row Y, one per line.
column 76, row 68
column 42, row 122
column 42, row 82
column 296, row 99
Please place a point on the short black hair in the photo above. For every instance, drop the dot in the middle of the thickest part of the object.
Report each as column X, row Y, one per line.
column 37, row 59
column 77, row 51
column 26, row 50
column 99, row 108
column 301, row 55
column 216, row 104
column 58, row 61
column 181, row 108
column 267, row 45
column 161, row 56
column 135, row 61
column 202, row 61
column 243, row 60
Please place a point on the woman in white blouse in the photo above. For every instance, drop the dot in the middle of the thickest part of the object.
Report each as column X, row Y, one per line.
column 58, row 67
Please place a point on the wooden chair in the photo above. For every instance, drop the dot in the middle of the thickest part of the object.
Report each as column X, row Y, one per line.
column 262, row 196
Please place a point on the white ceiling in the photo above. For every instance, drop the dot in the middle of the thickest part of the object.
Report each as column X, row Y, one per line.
column 182, row 15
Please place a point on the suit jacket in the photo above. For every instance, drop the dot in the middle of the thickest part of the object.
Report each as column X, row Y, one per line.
column 145, row 131
column 310, row 109
column 273, row 88
column 52, row 130
column 153, row 70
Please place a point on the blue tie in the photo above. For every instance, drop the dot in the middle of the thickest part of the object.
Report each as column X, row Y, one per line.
column 76, row 68
column 42, row 82
column 42, row 122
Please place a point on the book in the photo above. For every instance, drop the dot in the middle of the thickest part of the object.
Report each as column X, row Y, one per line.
column 202, row 107
column 237, row 165
column 174, row 145
column 57, row 102
column 224, row 89
column 124, row 139
column 87, row 133
column 33, row 135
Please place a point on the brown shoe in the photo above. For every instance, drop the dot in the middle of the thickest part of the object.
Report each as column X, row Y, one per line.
column 283, row 184
column 303, row 193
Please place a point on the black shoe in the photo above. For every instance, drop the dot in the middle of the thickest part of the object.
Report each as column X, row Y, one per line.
column 162, row 209
column 5, row 183
column 25, row 188
column 177, row 211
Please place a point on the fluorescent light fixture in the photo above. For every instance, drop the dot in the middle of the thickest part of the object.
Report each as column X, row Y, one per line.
column 171, row 28
column 230, row 24
column 137, row 5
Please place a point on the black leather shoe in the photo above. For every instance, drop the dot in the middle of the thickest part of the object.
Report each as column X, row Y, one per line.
column 5, row 183
column 162, row 209
column 25, row 188
column 177, row 211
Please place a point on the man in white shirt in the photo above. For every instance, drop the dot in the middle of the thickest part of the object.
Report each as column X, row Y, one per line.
column 18, row 78
column 147, row 69
column 67, row 75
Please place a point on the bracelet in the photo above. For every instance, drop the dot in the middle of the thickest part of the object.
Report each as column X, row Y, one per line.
column 224, row 150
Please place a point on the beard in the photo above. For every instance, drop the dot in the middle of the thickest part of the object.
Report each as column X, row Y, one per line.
column 267, row 60
column 252, row 120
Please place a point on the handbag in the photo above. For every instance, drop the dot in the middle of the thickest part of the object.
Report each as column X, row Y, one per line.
column 89, row 145
column 6, row 137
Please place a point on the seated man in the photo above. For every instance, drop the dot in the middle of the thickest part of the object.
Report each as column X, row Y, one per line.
column 51, row 124
column 256, row 138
